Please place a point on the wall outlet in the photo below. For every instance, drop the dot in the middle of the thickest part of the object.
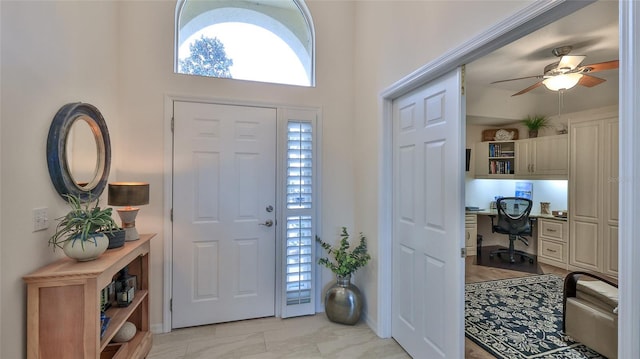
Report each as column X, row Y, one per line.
column 40, row 219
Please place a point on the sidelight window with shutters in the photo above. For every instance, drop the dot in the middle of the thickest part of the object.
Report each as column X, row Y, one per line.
column 299, row 214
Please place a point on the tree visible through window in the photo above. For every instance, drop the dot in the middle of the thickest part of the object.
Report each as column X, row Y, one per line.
column 268, row 41
column 207, row 58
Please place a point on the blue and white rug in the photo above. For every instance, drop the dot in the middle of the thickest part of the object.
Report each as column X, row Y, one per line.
column 520, row 318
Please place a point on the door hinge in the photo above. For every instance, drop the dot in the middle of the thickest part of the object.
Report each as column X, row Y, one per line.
column 463, row 252
column 171, row 305
column 172, row 123
column 171, row 214
column 462, row 80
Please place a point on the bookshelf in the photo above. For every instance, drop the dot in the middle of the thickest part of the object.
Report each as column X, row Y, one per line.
column 496, row 159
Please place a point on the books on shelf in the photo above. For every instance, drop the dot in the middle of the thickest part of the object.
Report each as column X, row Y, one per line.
column 496, row 150
column 500, row 167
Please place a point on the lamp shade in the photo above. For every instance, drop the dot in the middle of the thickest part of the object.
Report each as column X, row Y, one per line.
column 562, row 82
column 128, row 193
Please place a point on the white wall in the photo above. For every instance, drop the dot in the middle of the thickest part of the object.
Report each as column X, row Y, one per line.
column 394, row 39
column 118, row 56
column 479, row 192
column 52, row 53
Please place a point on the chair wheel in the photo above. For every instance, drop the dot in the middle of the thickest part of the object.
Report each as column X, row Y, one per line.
column 499, row 255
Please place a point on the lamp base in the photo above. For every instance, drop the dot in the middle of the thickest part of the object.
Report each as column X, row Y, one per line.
column 128, row 217
column 131, row 234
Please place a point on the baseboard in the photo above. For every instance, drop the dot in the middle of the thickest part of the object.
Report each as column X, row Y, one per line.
column 157, row 328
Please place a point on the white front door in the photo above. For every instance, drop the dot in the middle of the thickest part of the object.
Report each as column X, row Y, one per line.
column 223, row 213
column 428, row 220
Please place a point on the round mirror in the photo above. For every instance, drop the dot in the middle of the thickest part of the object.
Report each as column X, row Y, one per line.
column 79, row 151
column 83, row 153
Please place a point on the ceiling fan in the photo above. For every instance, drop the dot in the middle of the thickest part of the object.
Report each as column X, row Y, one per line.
column 567, row 72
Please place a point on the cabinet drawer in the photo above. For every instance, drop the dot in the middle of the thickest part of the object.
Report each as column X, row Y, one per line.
column 552, row 250
column 470, row 219
column 552, row 229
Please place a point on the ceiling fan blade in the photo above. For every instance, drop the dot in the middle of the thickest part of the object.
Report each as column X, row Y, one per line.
column 590, row 81
column 519, row 78
column 537, row 84
column 600, row 66
column 570, row 62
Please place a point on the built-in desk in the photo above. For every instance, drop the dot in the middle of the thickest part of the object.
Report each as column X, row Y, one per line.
column 532, row 215
column 548, row 240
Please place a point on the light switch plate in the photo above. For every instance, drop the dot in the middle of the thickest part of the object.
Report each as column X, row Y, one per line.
column 40, row 219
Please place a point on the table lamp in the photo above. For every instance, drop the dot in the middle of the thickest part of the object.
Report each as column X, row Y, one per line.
column 128, row 194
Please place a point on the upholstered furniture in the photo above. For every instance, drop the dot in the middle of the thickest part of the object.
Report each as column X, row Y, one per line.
column 590, row 313
column 513, row 219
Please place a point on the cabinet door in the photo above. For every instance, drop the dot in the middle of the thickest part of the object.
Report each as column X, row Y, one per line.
column 523, row 160
column 611, row 197
column 471, row 233
column 585, row 196
column 550, row 155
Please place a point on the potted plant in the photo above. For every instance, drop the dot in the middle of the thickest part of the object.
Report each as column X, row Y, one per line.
column 343, row 301
column 535, row 123
column 80, row 233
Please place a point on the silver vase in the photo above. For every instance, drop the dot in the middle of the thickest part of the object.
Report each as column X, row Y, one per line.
column 343, row 302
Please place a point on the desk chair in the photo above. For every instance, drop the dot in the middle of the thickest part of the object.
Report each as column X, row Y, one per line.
column 513, row 219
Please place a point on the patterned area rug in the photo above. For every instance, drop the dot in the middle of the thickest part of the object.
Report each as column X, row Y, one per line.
column 520, row 318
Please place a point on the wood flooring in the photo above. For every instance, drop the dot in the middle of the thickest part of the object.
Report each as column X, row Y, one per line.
column 475, row 273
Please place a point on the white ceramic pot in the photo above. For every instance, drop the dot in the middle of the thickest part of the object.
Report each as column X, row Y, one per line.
column 87, row 250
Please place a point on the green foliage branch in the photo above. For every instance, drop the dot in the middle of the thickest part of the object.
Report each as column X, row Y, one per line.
column 535, row 122
column 345, row 261
column 82, row 222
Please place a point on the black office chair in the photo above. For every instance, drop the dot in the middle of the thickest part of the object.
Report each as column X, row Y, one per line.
column 513, row 219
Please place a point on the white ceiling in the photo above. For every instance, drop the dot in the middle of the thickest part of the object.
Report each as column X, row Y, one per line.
column 592, row 31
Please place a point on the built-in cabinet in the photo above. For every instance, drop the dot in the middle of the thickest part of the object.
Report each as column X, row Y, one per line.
column 532, row 158
column 553, row 244
column 63, row 306
column 471, row 233
column 593, row 194
column 545, row 157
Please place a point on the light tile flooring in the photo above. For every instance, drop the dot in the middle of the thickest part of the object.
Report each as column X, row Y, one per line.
column 304, row 337
column 269, row 338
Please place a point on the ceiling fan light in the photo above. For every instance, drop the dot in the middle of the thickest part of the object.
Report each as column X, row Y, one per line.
column 562, row 82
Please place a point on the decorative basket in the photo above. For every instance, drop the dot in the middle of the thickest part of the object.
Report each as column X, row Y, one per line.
column 116, row 238
column 490, row 135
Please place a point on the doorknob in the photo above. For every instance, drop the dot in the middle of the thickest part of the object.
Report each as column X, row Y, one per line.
column 267, row 223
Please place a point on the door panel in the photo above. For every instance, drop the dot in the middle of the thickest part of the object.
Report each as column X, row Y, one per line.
column 224, row 179
column 429, row 220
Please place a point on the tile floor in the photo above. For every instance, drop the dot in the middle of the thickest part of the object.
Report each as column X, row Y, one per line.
column 267, row 338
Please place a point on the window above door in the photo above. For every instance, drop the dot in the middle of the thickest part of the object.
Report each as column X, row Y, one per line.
column 266, row 41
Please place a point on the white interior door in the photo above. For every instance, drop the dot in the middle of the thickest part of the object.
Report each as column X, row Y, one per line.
column 223, row 213
column 428, row 220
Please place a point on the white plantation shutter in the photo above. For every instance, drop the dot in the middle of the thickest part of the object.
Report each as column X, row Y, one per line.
column 300, row 215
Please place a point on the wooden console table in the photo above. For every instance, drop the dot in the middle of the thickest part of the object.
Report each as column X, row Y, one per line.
column 63, row 306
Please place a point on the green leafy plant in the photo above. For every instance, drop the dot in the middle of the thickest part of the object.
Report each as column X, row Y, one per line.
column 82, row 221
column 345, row 261
column 535, row 122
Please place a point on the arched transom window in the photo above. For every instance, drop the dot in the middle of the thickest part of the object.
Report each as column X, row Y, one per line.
column 258, row 40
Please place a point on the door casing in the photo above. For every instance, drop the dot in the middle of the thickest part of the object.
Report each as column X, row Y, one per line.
column 165, row 325
column 521, row 23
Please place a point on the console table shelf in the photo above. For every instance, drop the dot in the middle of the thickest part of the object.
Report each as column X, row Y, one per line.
column 63, row 306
